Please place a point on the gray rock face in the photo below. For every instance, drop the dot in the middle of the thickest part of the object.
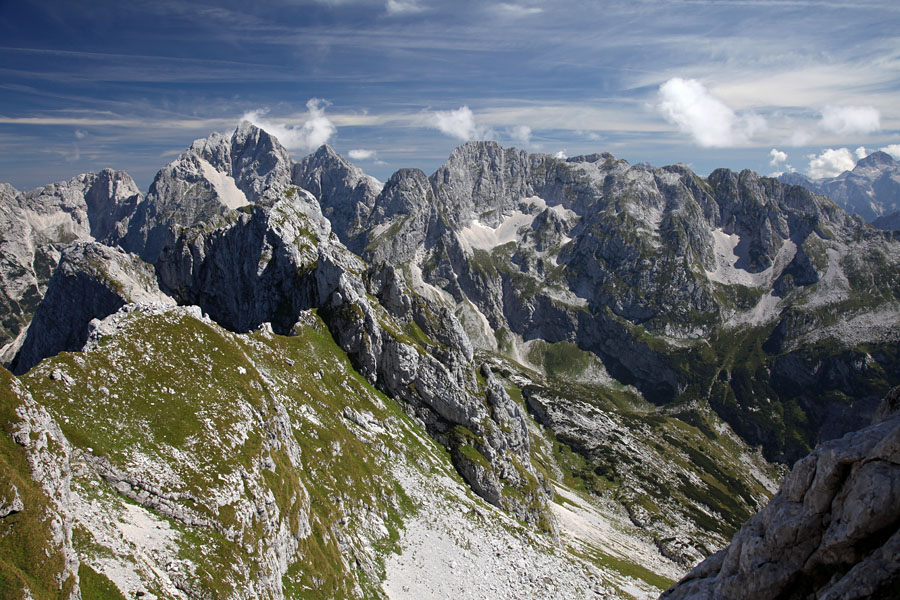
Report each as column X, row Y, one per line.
column 644, row 267
column 269, row 265
column 215, row 175
column 871, row 189
column 249, row 270
column 91, row 282
column 830, row 532
column 33, row 228
column 344, row 192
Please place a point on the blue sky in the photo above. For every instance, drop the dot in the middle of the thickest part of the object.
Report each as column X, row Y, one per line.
column 769, row 85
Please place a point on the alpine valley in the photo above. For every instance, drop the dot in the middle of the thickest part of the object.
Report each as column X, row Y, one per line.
column 518, row 377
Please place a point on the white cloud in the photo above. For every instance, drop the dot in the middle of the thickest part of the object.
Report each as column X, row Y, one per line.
column 847, row 120
column 516, row 10
column 831, row 163
column 893, row 150
column 402, row 7
column 316, row 130
column 561, row 154
column 80, row 134
column 689, row 105
column 777, row 157
column 520, row 133
column 459, row 123
column 861, row 153
column 360, row 154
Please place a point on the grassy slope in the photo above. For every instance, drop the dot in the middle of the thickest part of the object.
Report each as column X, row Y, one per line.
column 185, row 405
column 29, row 559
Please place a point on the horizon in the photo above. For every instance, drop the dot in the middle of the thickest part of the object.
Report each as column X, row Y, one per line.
column 144, row 189
column 805, row 86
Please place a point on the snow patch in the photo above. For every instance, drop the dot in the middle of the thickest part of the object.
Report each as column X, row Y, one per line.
column 226, row 189
column 728, row 257
column 483, row 237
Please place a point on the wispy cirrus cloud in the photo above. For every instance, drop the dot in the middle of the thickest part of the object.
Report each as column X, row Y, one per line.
column 510, row 9
column 403, row 7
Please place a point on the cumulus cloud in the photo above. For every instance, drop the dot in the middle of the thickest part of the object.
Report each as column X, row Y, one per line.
column 831, row 163
column 848, row 120
column 315, row 131
column 561, row 154
column 861, row 152
column 520, row 133
column 402, row 7
column 80, row 134
column 777, row 157
column 360, row 154
column 893, row 150
column 689, row 105
column 459, row 123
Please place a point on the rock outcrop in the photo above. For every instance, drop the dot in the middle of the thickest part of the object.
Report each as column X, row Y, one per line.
column 92, row 281
column 832, row 531
column 33, row 228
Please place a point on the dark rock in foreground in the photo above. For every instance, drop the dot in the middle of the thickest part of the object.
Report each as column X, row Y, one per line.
column 830, row 532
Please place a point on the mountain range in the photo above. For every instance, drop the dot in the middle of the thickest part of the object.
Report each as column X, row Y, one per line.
column 271, row 378
column 871, row 190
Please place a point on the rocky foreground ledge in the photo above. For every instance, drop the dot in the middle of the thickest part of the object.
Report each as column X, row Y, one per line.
column 832, row 531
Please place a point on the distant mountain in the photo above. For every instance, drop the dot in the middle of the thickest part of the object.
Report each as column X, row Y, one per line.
column 35, row 225
column 871, row 189
column 889, row 222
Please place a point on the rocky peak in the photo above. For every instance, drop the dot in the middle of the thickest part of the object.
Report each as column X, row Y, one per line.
column 34, row 225
column 88, row 206
column 258, row 161
column 877, row 160
column 483, row 180
column 871, row 189
column 110, row 197
column 215, row 175
column 345, row 193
